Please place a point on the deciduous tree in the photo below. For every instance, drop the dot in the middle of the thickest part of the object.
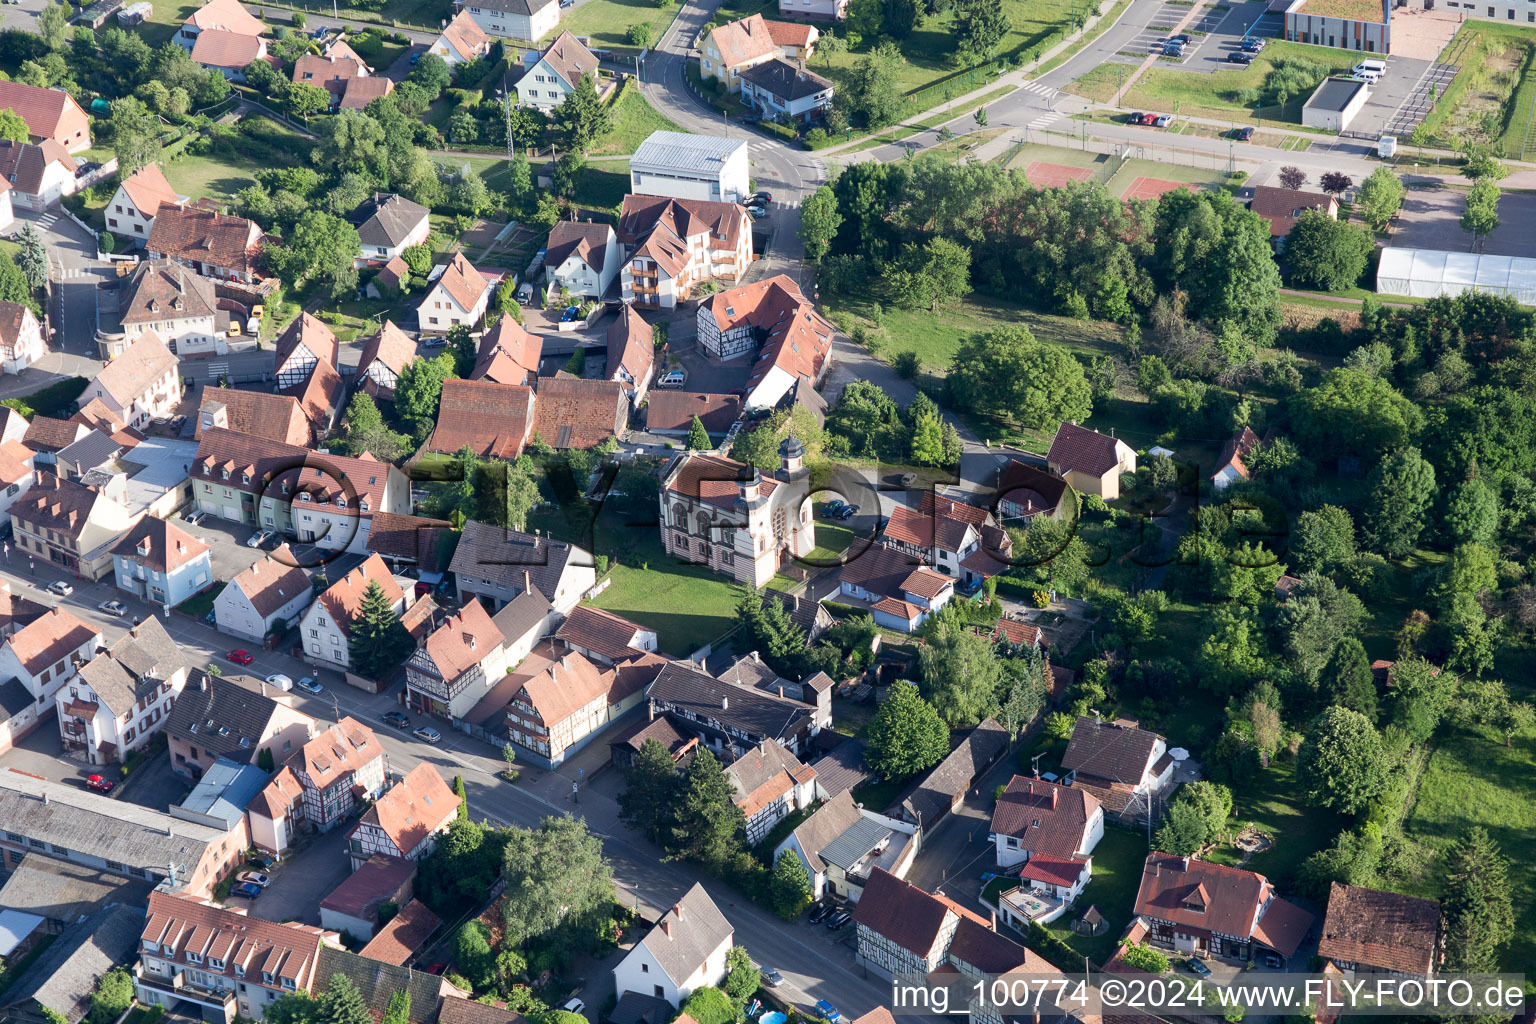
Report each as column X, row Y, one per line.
column 1292, row 177
column 1402, row 486
column 13, row 127
column 321, row 247
column 1342, row 761
column 1196, row 817
column 1380, row 197
column 1481, row 218
column 936, row 272
column 1326, row 253
column 1324, row 539
column 555, row 873
column 906, row 735
column 980, row 26
column 420, row 388
column 790, row 886
column 819, row 222
column 1006, row 372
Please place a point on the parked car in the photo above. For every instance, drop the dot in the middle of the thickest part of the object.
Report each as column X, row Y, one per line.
column 1242, row 134
column 194, row 517
column 99, row 784
column 310, row 685
column 240, row 656
column 757, row 212
column 395, row 718
column 278, row 680
column 212, row 618
column 320, row 33
column 1173, row 50
column 570, row 314
column 772, row 978
column 114, row 608
column 436, row 341
column 261, row 859
column 414, row 58
column 828, row 1011
column 847, row 511
column 1196, row 967
column 821, row 911
column 234, row 329
column 672, row 379
column 1182, row 39
column 1240, row 57
column 575, row 1006
column 259, row 538
column 1254, row 45
column 838, row 920
column 255, row 878
column 61, row 588
column 427, row 734
column 1148, row 119
column 246, row 890
column 762, row 198
column 1162, row 121
column 1135, row 118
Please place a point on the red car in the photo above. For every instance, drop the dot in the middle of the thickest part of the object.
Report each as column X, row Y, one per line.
column 1149, row 119
column 99, row 784
column 240, row 656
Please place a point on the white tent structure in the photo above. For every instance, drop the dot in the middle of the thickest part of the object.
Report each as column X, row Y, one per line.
column 1427, row 273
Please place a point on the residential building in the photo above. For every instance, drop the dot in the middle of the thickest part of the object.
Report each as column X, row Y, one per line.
column 842, row 844
column 70, row 525
column 1089, row 461
column 945, row 788
column 1335, row 103
column 221, row 796
column 814, row 690
column 1371, row 931
column 405, row 933
column 353, row 906
column 357, row 93
column 1126, row 768
column 320, row 396
column 302, row 348
column 142, row 384
column 729, row 718
column 21, row 710
column 62, row 893
column 777, row 88
column 7, row 213
column 276, row 814
column 47, row 436
column 234, row 717
column 228, row 53
column 462, row 41
column 732, row 48
column 69, row 823
column 257, row 413
column 378, row 983
column 318, row 498
column 38, row 175
column 346, row 76
column 21, row 338
column 457, row 664
column 226, row 963
column 550, row 75
column 211, row 243
column 326, row 628
column 774, row 321
column 524, row 20
column 814, row 10
column 559, row 702
column 904, row 930
column 271, row 590
column 52, row 115
column 496, row 565
column 733, row 518
column 603, row 637
column 387, row 225
column 570, row 412
column 37, row 659
column 685, row 951
column 1283, row 207
column 178, row 306
column 900, row 594
column 59, row 982
column 17, row 475
column 138, row 199
column 459, row 294
column 1231, row 469
column 159, row 561
column 679, row 165
column 508, row 354
column 1024, row 492
column 1194, row 906
column 673, row 244
column 385, row 356
column 950, row 537
column 672, row 413
column 426, row 544
column 338, row 769
column 583, row 259
column 631, row 353
column 770, row 785
column 1038, row 818
column 495, row 420
column 406, row 821
column 227, row 15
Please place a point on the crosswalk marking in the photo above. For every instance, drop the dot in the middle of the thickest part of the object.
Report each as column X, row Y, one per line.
column 1043, row 120
column 1039, row 89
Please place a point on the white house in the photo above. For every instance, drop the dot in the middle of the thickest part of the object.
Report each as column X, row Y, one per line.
column 778, row 88
column 326, row 626
column 524, row 20
column 582, row 257
column 387, row 225
column 1120, row 764
column 131, row 213
column 1038, row 818
column 7, row 212
column 178, row 305
column 842, row 843
column 47, row 653
column 272, row 589
column 678, row 165
column 228, row 53
column 39, row 174
column 17, row 475
column 814, row 10
column 123, row 696
column 549, row 76
column 457, row 663
column 142, row 384
column 225, row 15
column 686, row 950
column 159, row 561
column 21, row 338
column 462, row 41
column 406, row 821
column 770, row 784
column 459, row 295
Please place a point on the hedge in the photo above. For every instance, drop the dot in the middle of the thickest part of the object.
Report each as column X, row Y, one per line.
column 58, row 397
column 782, row 131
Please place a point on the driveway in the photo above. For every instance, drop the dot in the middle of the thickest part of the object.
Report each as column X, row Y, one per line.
column 155, row 784
column 301, row 881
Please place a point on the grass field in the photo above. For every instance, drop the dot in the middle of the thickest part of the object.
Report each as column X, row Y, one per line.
column 1117, row 863
column 1180, row 92
column 1493, row 99
column 1473, row 779
column 687, row 605
column 1272, row 802
column 633, row 120
column 223, row 173
column 608, row 21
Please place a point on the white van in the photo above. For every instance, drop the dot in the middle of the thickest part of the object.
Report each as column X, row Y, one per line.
column 1370, row 69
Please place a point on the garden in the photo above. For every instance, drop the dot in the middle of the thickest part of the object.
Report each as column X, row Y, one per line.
column 1492, row 101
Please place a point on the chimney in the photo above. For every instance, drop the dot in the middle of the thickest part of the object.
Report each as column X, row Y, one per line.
column 666, row 927
column 133, row 630
column 263, row 685
column 45, row 796
column 527, row 580
column 755, row 659
column 678, row 910
column 725, row 703
column 1185, row 862
column 1054, row 793
column 202, row 682
column 993, row 924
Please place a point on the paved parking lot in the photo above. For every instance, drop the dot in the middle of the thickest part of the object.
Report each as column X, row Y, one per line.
column 1431, row 219
column 1214, row 33
column 21, row 16
column 155, row 784
column 1389, row 94
column 303, row 880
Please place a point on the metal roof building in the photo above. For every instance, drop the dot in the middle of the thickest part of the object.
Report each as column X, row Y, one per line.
column 683, row 166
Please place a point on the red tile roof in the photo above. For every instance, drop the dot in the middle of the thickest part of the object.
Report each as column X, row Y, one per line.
column 49, row 639
column 273, row 581
column 601, row 632
column 493, row 419
column 798, row 339
column 205, row 236
column 390, row 347
column 675, row 410
column 901, row 912
column 258, row 413
column 1233, row 451
column 159, row 545
column 344, row 598
column 1216, row 897
column 1283, row 207
column 357, row 93
column 1056, row 870
column 509, row 354
column 463, row 641
column 147, row 189
column 656, row 226
column 218, row 48
column 463, row 283
column 308, row 334
column 583, row 239
column 320, row 396
column 399, row 940
column 337, row 753
column 1021, row 633
column 1385, row 930
column 42, row 109
column 714, row 479
column 570, row 412
column 288, row 952
column 226, row 14
column 414, row 808
column 465, row 36
column 1044, row 817
column 559, row 685
column 926, row 583
column 23, row 164
column 1086, row 451
column 631, row 345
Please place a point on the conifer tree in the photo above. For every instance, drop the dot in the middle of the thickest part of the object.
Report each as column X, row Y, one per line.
column 378, row 640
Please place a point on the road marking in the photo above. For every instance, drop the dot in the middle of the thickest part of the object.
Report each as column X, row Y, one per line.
column 1039, row 89
column 1043, row 120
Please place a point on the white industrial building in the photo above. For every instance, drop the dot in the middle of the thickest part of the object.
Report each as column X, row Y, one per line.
column 1427, row 273
column 683, row 166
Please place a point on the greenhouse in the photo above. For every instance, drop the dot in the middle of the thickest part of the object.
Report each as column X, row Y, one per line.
column 1426, row 273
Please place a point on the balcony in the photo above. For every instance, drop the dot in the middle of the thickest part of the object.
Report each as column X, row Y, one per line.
column 179, row 988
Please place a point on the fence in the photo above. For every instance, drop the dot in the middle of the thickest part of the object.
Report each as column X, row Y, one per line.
column 1123, row 151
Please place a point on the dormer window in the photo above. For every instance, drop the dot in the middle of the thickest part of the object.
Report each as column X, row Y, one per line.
column 225, row 474
column 266, row 976
column 216, row 963
column 143, row 548
column 239, row 970
column 341, row 501
column 363, row 504
column 245, row 478
column 304, row 498
column 194, row 958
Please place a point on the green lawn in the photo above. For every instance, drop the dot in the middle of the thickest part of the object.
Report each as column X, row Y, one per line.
column 201, row 604
column 687, row 605
column 166, row 18
column 225, row 171
column 1166, row 90
column 633, row 121
column 1475, row 780
column 1272, row 802
column 1117, row 863
column 601, row 190
column 1498, row 78
column 607, row 22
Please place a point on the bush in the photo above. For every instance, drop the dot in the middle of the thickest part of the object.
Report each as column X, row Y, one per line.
column 783, row 131
column 57, row 399
column 816, row 138
column 907, row 365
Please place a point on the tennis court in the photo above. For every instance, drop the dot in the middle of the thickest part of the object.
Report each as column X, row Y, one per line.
column 1153, row 188
column 1044, row 175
